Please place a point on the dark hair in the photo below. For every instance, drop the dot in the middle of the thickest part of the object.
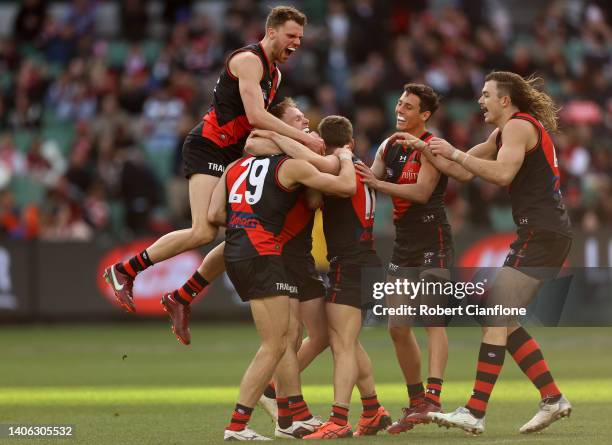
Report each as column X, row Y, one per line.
column 280, row 108
column 430, row 101
column 281, row 14
column 335, row 131
column 526, row 97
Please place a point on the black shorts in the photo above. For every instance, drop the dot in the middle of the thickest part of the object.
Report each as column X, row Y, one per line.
column 301, row 272
column 422, row 245
column 539, row 253
column 259, row 277
column 201, row 155
column 352, row 284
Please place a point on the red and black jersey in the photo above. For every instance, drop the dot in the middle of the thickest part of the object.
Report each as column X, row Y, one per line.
column 301, row 244
column 262, row 215
column 402, row 167
column 348, row 224
column 225, row 123
column 535, row 191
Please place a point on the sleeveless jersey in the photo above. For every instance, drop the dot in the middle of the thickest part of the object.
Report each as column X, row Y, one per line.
column 225, row 123
column 535, row 191
column 262, row 215
column 348, row 224
column 301, row 244
column 402, row 166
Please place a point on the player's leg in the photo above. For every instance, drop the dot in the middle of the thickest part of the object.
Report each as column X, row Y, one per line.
column 374, row 417
column 271, row 317
column 121, row 275
column 177, row 303
column 314, row 319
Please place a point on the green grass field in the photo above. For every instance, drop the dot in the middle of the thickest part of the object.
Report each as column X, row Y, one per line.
column 134, row 384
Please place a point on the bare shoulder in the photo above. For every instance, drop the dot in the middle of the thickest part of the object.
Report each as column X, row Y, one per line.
column 520, row 131
column 245, row 62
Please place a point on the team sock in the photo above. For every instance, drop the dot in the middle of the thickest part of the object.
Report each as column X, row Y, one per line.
column 240, row 417
column 490, row 362
column 339, row 415
column 416, row 393
column 190, row 289
column 135, row 264
column 370, row 406
column 434, row 389
column 285, row 419
column 527, row 354
column 299, row 408
column 270, row 392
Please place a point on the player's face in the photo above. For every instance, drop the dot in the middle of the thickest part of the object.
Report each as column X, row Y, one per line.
column 490, row 102
column 286, row 39
column 295, row 118
column 408, row 113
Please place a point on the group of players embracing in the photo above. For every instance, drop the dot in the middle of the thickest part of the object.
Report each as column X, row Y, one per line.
column 258, row 170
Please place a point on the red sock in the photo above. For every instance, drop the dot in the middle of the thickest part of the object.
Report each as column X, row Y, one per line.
column 416, row 393
column 527, row 354
column 490, row 362
column 240, row 418
column 136, row 264
column 370, row 406
column 299, row 408
column 434, row 389
column 339, row 415
column 190, row 289
column 285, row 418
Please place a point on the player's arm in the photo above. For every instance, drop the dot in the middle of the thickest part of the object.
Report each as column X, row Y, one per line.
column 247, row 67
column 378, row 166
column 297, row 171
column 258, row 146
column 502, row 170
column 296, row 150
column 217, row 213
column 485, row 150
column 420, row 192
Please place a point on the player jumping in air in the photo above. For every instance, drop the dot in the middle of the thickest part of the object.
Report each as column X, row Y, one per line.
column 245, row 89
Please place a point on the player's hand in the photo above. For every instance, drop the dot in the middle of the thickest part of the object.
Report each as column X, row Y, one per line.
column 367, row 177
column 259, row 133
column 343, row 152
column 441, row 147
column 408, row 140
column 314, row 142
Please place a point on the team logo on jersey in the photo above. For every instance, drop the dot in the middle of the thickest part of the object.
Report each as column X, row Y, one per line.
column 403, row 158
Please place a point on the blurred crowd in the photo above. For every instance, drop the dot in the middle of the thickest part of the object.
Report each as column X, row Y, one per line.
column 97, row 96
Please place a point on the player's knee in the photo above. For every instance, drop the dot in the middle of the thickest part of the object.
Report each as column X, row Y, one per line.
column 275, row 347
column 399, row 334
column 202, row 235
column 319, row 340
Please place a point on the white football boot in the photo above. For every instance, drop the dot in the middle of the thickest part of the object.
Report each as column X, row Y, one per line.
column 245, row 434
column 547, row 414
column 460, row 418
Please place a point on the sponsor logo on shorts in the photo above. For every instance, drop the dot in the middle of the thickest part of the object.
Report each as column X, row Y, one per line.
column 523, row 220
column 393, row 267
column 428, row 218
column 287, row 287
column 216, row 167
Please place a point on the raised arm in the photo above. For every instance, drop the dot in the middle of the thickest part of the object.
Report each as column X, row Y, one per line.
column 247, row 68
column 258, row 146
column 298, row 171
column 420, row 192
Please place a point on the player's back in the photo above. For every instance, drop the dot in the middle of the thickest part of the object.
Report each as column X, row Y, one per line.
column 348, row 226
column 261, row 214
